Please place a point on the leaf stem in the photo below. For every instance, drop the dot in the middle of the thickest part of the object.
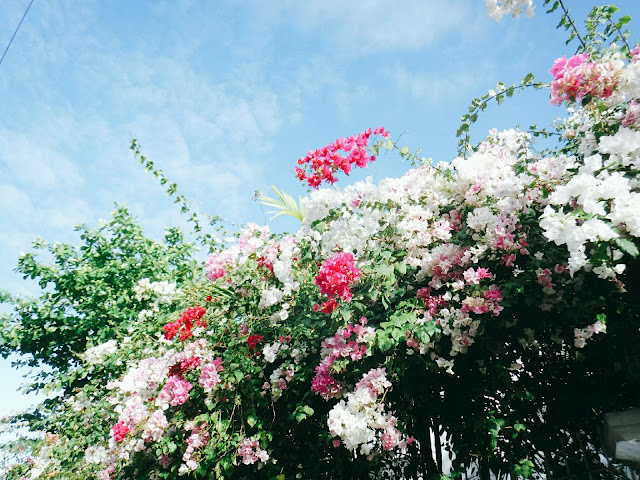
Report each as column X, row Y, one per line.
column 624, row 40
column 573, row 25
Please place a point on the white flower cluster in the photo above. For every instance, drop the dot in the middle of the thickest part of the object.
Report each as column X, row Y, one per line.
column 362, row 211
column 95, row 354
column 270, row 350
column 279, row 380
column 158, row 293
column 278, row 256
column 96, row 454
column 496, row 9
column 581, row 335
column 361, row 422
column 80, row 402
column 270, row 296
column 599, row 201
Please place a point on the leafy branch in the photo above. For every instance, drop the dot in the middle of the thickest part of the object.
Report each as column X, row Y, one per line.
column 566, row 21
column 186, row 207
column 594, row 40
column 405, row 153
column 480, row 104
column 603, row 15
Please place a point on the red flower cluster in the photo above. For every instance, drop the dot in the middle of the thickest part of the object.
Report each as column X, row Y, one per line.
column 324, row 162
column 326, row 307
column 265, row 263
column 253, row 341
column 185, row 323
column 335, row 276
column 184, row 365
column 119, row 431
column 432, row 302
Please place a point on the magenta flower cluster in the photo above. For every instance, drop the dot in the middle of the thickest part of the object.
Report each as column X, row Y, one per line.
column 341, row 345
column 335, row 278
column 320, row 165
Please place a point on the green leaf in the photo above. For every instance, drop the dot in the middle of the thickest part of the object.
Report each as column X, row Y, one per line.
column 401, row 267
column 524, row 468
column 319, row 226
column 422, row 335
column 252, row 420
column 398, row 335
column 302, row 412
column 463, row 128
column 384, row 341
column 385, row 270
column 627, row 246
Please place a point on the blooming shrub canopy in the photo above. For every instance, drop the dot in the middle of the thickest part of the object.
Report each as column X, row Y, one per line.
column 464, row 303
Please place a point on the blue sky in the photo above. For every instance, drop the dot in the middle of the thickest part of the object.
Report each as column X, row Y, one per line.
column 225, row 96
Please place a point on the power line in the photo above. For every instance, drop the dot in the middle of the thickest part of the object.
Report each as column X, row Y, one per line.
column 14, row 33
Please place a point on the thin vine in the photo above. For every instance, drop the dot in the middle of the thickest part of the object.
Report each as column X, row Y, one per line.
column 186, row 207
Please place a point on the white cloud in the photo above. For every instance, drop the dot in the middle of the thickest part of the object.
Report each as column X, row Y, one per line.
column 64, row 213
column 442, row 85
column 16, row 204
column 35, row 164
column 380, row 25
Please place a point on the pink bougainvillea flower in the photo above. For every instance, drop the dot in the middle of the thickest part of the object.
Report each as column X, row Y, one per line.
column 209, row 376
column 320, row 165
column 175, row 391
column 335, row 278
column 119, row 431
column 578, row 77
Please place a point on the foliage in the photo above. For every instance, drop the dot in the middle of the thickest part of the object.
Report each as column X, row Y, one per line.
column 204, row 238
column 480, row 104
column 87, row 294
column 485, row 308
column 284, row 204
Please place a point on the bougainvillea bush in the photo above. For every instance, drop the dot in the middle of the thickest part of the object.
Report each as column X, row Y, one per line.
column 484, row 310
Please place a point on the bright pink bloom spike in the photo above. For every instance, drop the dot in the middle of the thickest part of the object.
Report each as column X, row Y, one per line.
column 320, row 165
column 336, row 275
column 119, row 431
